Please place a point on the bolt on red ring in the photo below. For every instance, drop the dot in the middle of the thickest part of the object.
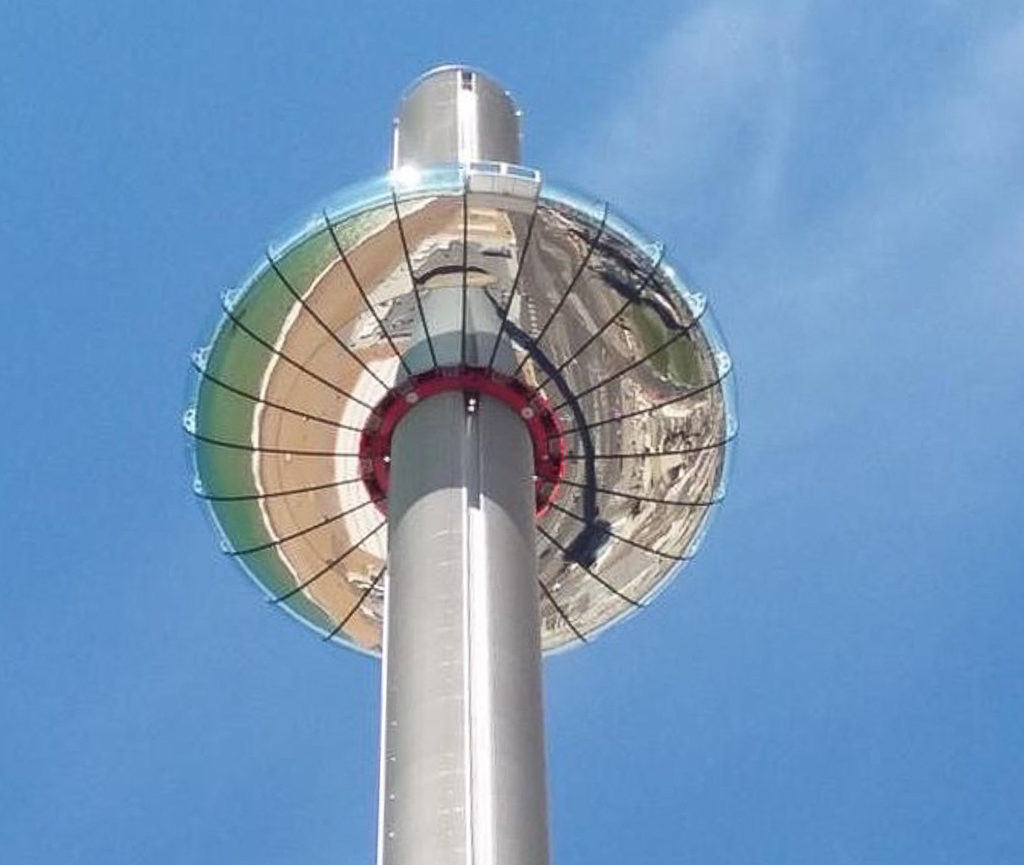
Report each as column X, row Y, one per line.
column 535, row 411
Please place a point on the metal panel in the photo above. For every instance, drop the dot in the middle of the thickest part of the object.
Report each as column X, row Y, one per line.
column 498, row 131
column 463, row 769
column 456, row 114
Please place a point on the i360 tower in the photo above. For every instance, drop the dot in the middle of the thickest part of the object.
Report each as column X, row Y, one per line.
column 460, row 418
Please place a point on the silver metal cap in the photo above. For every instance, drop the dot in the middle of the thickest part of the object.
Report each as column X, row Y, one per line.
column 455, row 114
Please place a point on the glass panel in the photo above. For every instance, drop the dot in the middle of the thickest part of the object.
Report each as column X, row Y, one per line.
column 375, row 193
column 560, row 198
column 611, row 336
column 409, row 182
column 728, row 389
column 694, row 299
column 618, row 225
column 520, row 171
column 716, row 342
column 426, row 251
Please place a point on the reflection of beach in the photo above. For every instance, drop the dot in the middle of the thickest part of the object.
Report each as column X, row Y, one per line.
column 599, row 297
column 379, row 263
column 644, row 418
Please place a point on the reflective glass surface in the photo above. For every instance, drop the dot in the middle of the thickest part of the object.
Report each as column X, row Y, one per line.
column 600, row 325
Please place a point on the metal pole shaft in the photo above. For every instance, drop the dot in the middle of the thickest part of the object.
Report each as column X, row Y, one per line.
column 462, row 745
column 455, row 114
column 462, row 774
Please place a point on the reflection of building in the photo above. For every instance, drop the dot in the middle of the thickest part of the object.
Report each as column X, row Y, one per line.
column 462, row 418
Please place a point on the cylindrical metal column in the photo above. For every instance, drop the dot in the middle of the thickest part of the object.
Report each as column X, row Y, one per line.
column 455, row 114
column 462, row 747
column 462, row 771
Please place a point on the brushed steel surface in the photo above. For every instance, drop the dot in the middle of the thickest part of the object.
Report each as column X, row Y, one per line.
column 455, row 114
column 656, row 433
column 463, row 748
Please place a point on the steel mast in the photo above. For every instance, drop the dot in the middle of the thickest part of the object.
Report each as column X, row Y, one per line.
column 459, row 418
column 462, row 776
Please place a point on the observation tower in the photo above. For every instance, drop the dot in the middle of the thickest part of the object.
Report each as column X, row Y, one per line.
column 458, row 419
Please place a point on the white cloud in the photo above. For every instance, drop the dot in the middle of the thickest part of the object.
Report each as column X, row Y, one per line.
column 702, row 132
column 901, row 292
column 720, row 82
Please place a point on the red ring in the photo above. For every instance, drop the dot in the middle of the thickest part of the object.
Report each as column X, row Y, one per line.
column 535, row 411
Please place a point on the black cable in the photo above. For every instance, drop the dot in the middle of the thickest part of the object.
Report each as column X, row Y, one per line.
column 600, row 331
column 546, row 365
column 637, row 498
column 588, row 570
column 465, row 274
column 592, row 244
column 256, row 449
column 365, row 594
column 515, row 284
column 279, row 406
column 645, row 454
column 412, row 277
column 641, row 411
column 252, row 497
column 631, row 366
column 323, row 324
column 305, row 531
column 326, row 382
column 561, row 612
column 329, row 565
column 362, row 294
column 622, row 538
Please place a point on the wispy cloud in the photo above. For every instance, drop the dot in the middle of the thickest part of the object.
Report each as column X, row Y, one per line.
column 880, row 238
column 712, row 130
column 720, row 84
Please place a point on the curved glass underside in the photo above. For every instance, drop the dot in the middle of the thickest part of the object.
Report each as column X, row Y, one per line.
column 601, row 325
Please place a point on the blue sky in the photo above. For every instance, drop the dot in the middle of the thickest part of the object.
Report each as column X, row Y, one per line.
column 837, row 678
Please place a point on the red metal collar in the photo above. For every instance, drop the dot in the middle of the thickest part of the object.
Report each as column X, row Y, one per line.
column 535, row 411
